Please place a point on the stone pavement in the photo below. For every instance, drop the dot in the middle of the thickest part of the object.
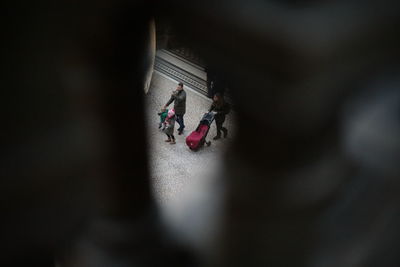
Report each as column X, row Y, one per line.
column 185, row 182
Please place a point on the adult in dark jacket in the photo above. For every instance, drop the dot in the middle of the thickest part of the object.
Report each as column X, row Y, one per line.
column 221, row 109
column 179, row 98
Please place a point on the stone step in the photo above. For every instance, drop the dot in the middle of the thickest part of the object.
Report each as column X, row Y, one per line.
column 188, row 55
column 181, row 70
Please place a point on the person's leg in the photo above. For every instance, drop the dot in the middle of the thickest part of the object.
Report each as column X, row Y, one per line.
column 169, row 138
column 225, row 130
column 179, row 120
column 172, row 139
column 183, row 123
column 219, row 126
column 159, row 125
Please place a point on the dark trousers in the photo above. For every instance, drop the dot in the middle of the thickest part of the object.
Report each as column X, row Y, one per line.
column 219, row 121
column 171, row 136
column 179, row 120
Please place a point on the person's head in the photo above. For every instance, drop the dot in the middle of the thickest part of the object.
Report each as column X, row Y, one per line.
column 163, row 109
column 180, row 86
column 217, row 97
column 171, row 113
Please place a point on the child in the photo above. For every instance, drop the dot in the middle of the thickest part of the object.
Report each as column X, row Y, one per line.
column 169, row 126
column 163, row 115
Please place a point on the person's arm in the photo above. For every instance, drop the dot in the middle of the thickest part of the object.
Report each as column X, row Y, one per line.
column 169, row 101
column 211, row 108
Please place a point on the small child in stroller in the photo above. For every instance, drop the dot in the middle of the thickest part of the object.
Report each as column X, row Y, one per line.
column 163, row 115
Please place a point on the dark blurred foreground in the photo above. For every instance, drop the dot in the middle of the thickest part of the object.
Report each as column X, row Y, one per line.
column 312, row 178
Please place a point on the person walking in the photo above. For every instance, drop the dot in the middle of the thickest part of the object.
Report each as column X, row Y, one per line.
column 179, row 98
column 169, row 127
column 220, row 109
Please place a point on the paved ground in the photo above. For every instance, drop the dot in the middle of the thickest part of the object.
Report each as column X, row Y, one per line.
column 184, row 182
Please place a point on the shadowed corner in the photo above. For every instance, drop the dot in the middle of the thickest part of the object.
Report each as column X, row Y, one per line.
column 74, row 166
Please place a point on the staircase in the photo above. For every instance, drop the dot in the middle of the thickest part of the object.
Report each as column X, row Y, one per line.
column 181, row 69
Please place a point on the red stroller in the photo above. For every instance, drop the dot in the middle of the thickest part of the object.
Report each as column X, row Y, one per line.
column 198, row 137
